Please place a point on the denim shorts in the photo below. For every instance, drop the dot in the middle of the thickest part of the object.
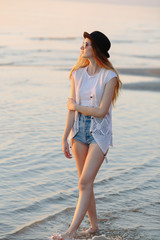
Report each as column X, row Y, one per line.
column 84, row 135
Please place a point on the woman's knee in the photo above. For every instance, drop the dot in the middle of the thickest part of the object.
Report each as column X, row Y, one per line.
column 85, row 183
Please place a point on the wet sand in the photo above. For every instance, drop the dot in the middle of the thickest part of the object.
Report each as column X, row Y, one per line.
column 153, row 85
column 143, row 86
column 102, row 237
column 154, row 72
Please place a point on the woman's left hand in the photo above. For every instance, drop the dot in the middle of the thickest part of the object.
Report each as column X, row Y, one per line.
column 71, row 104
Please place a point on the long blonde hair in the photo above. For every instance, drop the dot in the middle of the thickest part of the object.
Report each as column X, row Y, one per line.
column 103, row 62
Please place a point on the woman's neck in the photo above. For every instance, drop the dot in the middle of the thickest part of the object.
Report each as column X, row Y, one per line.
column 93, row 68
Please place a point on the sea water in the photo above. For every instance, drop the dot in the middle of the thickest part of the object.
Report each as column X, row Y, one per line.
column 40, row 43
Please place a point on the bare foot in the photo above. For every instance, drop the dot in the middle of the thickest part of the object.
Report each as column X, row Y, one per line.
column 56, row 237
column 90, row 230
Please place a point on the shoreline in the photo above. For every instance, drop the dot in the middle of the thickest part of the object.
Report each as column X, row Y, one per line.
column 153, row 72
column 142, row 86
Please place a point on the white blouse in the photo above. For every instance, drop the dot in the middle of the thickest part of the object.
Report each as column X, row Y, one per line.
column 89, row 91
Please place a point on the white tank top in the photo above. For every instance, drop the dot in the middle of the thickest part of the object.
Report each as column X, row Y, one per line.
column 88, row 85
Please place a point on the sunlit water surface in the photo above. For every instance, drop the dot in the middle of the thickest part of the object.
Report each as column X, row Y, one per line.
column 38, row 185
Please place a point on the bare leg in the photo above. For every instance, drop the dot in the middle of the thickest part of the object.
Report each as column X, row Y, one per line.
column 80, row 152
column 92, row 164
column 92, row 215
column 88, row 172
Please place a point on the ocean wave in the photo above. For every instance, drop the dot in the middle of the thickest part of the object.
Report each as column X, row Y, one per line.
column 23, row 232
column 7, row 64
column 106, row 180
column 53, row 38
column 123, row 41
column 122, row 174
column 143, row 86
column 146, row 56
column 43, row 228
column 154, row 72
column 3, row 46
column 33, row 230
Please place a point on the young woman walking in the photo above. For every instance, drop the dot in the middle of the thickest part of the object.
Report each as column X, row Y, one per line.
column 95, row 86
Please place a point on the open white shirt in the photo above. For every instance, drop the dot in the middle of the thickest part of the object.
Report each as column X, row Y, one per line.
column 89, row 91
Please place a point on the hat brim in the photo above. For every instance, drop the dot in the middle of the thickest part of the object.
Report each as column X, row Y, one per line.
column 87, row 35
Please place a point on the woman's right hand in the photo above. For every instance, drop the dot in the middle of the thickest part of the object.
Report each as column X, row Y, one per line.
column 65, row 149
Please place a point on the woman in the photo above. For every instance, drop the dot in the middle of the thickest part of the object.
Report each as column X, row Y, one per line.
column 94, row 88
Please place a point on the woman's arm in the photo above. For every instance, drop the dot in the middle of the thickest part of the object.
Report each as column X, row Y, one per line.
column 69, row 124
column 103, row 108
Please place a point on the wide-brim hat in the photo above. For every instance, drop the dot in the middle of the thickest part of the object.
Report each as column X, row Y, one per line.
column 100, row 40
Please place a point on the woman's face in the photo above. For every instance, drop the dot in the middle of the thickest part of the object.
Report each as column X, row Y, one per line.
column 86, row 48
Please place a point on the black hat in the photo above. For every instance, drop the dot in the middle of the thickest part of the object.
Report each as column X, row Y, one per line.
column 100, row 40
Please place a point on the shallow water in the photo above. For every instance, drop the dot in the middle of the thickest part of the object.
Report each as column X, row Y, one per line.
column 38, row 186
